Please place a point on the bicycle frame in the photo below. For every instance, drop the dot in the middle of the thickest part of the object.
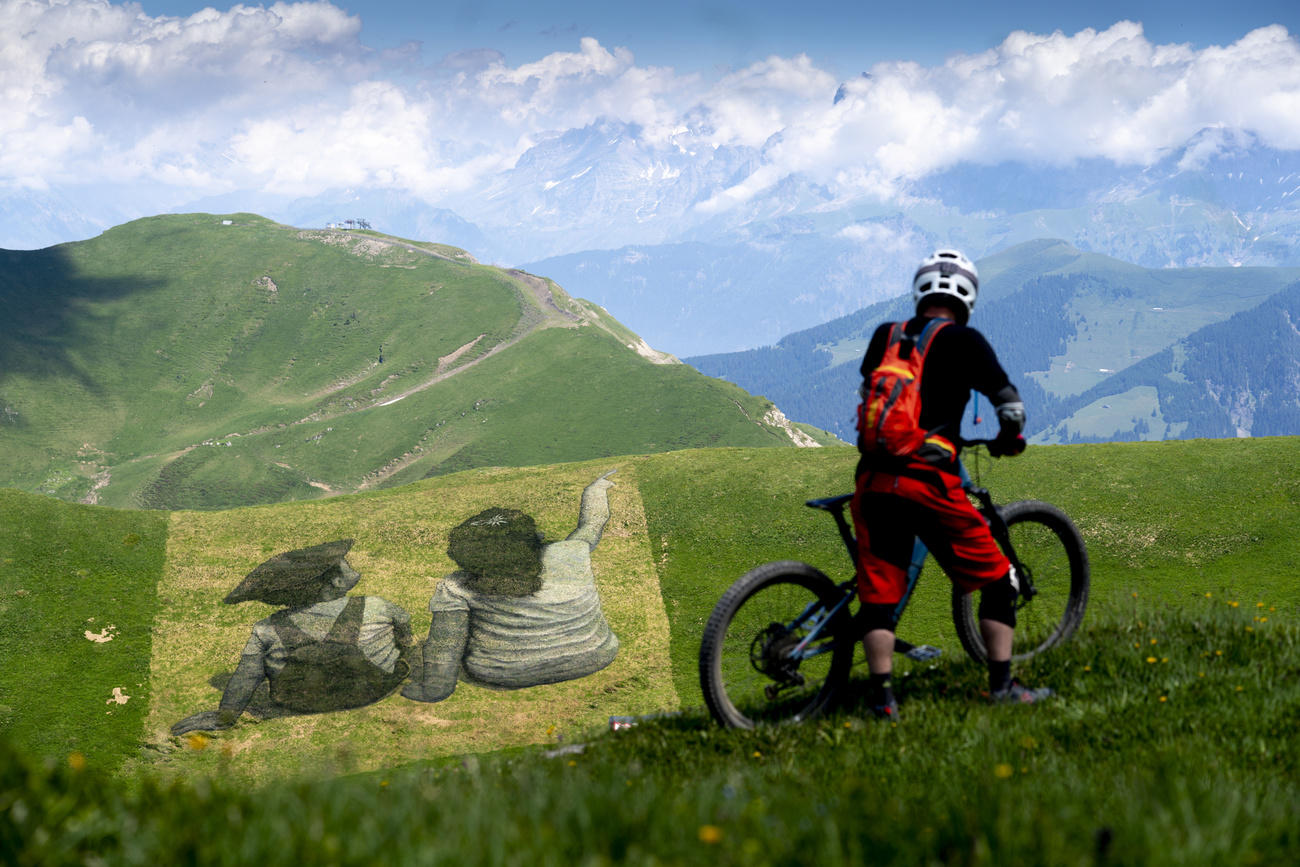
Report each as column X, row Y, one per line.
column 835, row 506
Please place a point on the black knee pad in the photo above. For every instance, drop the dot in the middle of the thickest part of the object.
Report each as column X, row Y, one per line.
column 875, row 615
column 998, row 601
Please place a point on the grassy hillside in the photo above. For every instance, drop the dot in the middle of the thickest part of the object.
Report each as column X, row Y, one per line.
column 78, row 599
column 198, row 361
column 1168, row 522
column 1234, row 378
column 1173, row 740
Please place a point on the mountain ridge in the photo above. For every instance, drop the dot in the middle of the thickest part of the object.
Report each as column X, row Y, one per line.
column 1065, row 322
column 209, row 361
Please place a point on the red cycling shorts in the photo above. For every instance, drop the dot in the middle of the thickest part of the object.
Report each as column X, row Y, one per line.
column 891, row 511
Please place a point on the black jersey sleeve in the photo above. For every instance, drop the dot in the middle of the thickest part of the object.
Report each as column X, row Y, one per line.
column 986, row 373
column 875, row 349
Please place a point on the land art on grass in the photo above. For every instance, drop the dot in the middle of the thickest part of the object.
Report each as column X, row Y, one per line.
column 401, row 553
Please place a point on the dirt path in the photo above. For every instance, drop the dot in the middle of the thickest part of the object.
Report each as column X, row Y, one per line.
column 536, row 294
column 532, row 287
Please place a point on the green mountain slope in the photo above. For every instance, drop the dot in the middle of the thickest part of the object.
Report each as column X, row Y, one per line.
column 1239, row 377
column 207, row 362
column 1063, row 321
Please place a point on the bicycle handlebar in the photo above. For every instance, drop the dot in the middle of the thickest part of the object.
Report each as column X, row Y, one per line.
column 995, row 446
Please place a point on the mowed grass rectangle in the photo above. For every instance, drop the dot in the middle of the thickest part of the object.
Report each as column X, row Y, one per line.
column 400, row 551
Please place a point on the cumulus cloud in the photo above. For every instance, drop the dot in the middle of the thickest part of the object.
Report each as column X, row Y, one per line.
column 1045, row 99
column 286, row 98
column 89, row 90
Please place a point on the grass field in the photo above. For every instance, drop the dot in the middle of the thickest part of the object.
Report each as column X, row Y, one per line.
column 1173, row 741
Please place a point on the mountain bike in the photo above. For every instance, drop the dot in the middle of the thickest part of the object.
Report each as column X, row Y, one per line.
column 780, row 642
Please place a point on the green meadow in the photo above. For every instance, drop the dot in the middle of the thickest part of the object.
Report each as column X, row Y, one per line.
column 1173, row 739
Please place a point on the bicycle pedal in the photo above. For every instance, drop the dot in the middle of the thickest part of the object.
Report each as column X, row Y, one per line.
column 923, row 653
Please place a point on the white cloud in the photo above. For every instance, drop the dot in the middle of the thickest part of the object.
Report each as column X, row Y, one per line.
column 286, row 98
column 1053, row 99
column 91, row 91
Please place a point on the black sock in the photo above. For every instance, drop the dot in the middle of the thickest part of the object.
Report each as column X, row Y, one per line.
column 880, row 689
column 999, row 675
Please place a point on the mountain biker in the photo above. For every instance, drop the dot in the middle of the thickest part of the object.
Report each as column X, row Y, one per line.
column 897, row 499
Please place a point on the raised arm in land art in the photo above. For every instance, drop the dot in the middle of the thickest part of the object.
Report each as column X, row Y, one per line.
column 323, row 651
column 518, row 612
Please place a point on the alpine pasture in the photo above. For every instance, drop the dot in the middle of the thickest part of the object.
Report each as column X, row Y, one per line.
column 1173, row 739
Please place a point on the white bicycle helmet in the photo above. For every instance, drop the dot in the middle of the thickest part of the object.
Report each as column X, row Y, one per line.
column 949, row 273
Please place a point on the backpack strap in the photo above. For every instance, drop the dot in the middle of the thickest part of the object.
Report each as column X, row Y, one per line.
column 347, row 626
column 289, row 632
column 926, row 337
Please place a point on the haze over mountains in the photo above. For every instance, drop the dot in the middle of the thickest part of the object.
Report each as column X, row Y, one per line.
column 627, row 221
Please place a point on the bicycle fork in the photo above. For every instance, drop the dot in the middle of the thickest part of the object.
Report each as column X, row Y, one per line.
column 1002, row 533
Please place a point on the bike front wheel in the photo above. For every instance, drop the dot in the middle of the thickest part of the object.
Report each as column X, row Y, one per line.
column 775, row 649
column 1050, row 548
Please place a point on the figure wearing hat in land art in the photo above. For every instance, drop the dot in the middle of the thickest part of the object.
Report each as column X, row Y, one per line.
column 519, row 612
column 323, row 650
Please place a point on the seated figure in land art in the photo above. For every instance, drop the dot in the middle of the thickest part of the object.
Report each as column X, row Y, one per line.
column 519, row 612
column 323, row 650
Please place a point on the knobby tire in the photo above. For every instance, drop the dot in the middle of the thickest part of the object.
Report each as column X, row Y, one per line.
column 746, row 673
column 1050, row 546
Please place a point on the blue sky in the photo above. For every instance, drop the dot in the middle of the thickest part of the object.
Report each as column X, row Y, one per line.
column 844, row 37
column 181, row 100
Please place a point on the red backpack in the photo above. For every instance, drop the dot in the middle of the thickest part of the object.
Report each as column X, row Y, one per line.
column 889, row 417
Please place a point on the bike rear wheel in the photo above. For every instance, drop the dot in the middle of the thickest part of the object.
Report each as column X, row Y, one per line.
column 752, row 668
column 1051, row 549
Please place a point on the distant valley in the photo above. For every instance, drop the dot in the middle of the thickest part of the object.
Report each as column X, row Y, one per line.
column 1102, row 349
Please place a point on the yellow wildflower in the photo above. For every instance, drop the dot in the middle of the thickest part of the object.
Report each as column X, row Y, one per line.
column 710, row 834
